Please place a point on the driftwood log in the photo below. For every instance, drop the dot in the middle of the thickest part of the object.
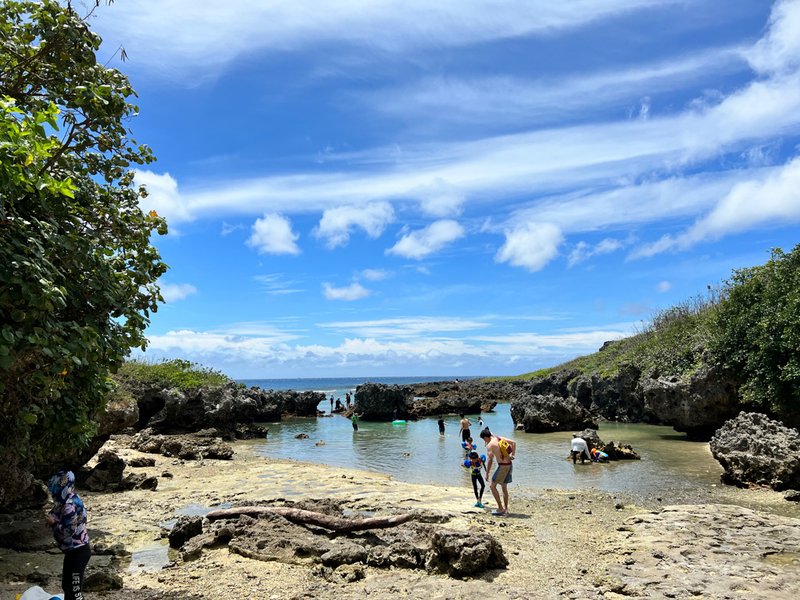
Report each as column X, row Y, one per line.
column 297, row 515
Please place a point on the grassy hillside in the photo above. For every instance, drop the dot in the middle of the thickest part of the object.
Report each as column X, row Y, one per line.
column 672, row 344
column 750, row 329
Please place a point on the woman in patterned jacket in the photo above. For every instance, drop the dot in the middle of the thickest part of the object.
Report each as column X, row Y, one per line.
column 67, row 518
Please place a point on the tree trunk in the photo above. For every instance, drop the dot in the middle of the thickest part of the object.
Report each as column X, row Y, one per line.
column 297, row 515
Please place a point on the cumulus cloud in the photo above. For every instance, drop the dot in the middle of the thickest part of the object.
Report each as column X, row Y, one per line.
column 162, row 196
column 423, row 242
column 530, row 245
column 272, row 234
column 172, row 292
column 440, row 199
column 354, row 291
column 773, row 198
column 583, row 251
column 336, row 223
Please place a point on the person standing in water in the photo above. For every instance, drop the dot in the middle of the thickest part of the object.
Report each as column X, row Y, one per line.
column 67, row 519
column 503, row 451
column 465, row 423
column 440, row 423
column 354, row 420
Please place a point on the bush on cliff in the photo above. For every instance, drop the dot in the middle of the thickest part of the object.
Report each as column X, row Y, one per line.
column 758, row 334
column 169, row 374
column 77, row 270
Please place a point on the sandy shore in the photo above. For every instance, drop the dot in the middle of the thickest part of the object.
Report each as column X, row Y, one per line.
column 579, row 544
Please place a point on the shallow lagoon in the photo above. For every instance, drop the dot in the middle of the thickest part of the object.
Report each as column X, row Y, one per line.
column 416, row 453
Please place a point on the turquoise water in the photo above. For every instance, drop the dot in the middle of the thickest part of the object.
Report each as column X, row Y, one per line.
column 415, row 452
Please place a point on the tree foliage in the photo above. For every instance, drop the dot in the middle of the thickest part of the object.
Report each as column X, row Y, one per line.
column 758, row 334
column 78, row 271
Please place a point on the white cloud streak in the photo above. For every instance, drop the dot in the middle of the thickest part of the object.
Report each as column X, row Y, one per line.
column 173, row 292
column 183, row 39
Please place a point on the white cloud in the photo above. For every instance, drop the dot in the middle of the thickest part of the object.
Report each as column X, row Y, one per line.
column 335, row 225
column 530, row 245
column 172, row 292
column 583, row 251
column 228, row 228
column 272, row 234
column 664, row 286
column 184, row 38
column 354, row 291
column 375, row 274
column 772, row 198
column 779, row 50
column 439, row 199
column 423, row 242
column 163, row 196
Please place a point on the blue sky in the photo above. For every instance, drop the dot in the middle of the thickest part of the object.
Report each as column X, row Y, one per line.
column 361, row 188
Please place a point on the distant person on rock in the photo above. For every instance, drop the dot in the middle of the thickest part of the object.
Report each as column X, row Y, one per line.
column 579, row 449
column 465, row 423
column 503, row 451
column 331, row 403
column 67, row 519
column 440, row 422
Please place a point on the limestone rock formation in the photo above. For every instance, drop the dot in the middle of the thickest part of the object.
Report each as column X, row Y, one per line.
column 697, row 406
column 380, row 402
column 541, row 414
column 756, row 450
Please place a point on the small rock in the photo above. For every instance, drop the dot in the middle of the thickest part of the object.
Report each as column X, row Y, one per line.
column 167, row 475
column 619, row 506
column 587, row 512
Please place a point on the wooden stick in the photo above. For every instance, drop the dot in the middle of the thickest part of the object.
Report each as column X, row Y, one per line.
column 297, row 515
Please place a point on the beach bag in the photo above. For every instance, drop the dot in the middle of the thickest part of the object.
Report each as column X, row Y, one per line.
column 37, row 593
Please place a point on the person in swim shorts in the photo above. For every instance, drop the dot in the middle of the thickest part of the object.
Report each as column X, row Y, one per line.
column 503, row 451
column 465, row 423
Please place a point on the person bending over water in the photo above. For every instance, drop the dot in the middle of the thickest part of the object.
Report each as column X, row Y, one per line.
column 579, row 449
column 503, row 451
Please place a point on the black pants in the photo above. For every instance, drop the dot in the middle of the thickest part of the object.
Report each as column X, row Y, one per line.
column 575, row 455
column 355, row 426
column 465, row 434
column 477, row 478
column 75, row 562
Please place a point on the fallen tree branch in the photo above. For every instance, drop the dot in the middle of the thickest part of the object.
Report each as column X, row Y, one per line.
column 297, row 515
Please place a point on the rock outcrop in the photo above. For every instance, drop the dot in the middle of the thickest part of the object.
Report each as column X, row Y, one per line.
column 411, row 545
column 697, row 406
column 381, row 402
column 542, row 414
column 755, row 450
column 431, row 407
column 185, row 447
column 230, row 408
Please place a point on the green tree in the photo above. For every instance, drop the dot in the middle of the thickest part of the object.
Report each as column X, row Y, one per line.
column 78, row 271
column 758, row 334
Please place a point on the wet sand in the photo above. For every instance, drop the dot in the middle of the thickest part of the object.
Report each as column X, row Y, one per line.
column 575, row 544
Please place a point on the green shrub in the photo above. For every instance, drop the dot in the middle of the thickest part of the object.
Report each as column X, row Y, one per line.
column 170, row 374
column 758, row 334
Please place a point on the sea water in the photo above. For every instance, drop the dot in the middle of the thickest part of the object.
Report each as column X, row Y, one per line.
column 415, row 452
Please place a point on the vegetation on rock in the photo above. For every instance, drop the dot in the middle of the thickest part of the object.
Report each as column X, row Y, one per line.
column 750, row 329
column 169, row 374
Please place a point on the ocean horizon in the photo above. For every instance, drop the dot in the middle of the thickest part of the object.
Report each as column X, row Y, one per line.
column 342, row 385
